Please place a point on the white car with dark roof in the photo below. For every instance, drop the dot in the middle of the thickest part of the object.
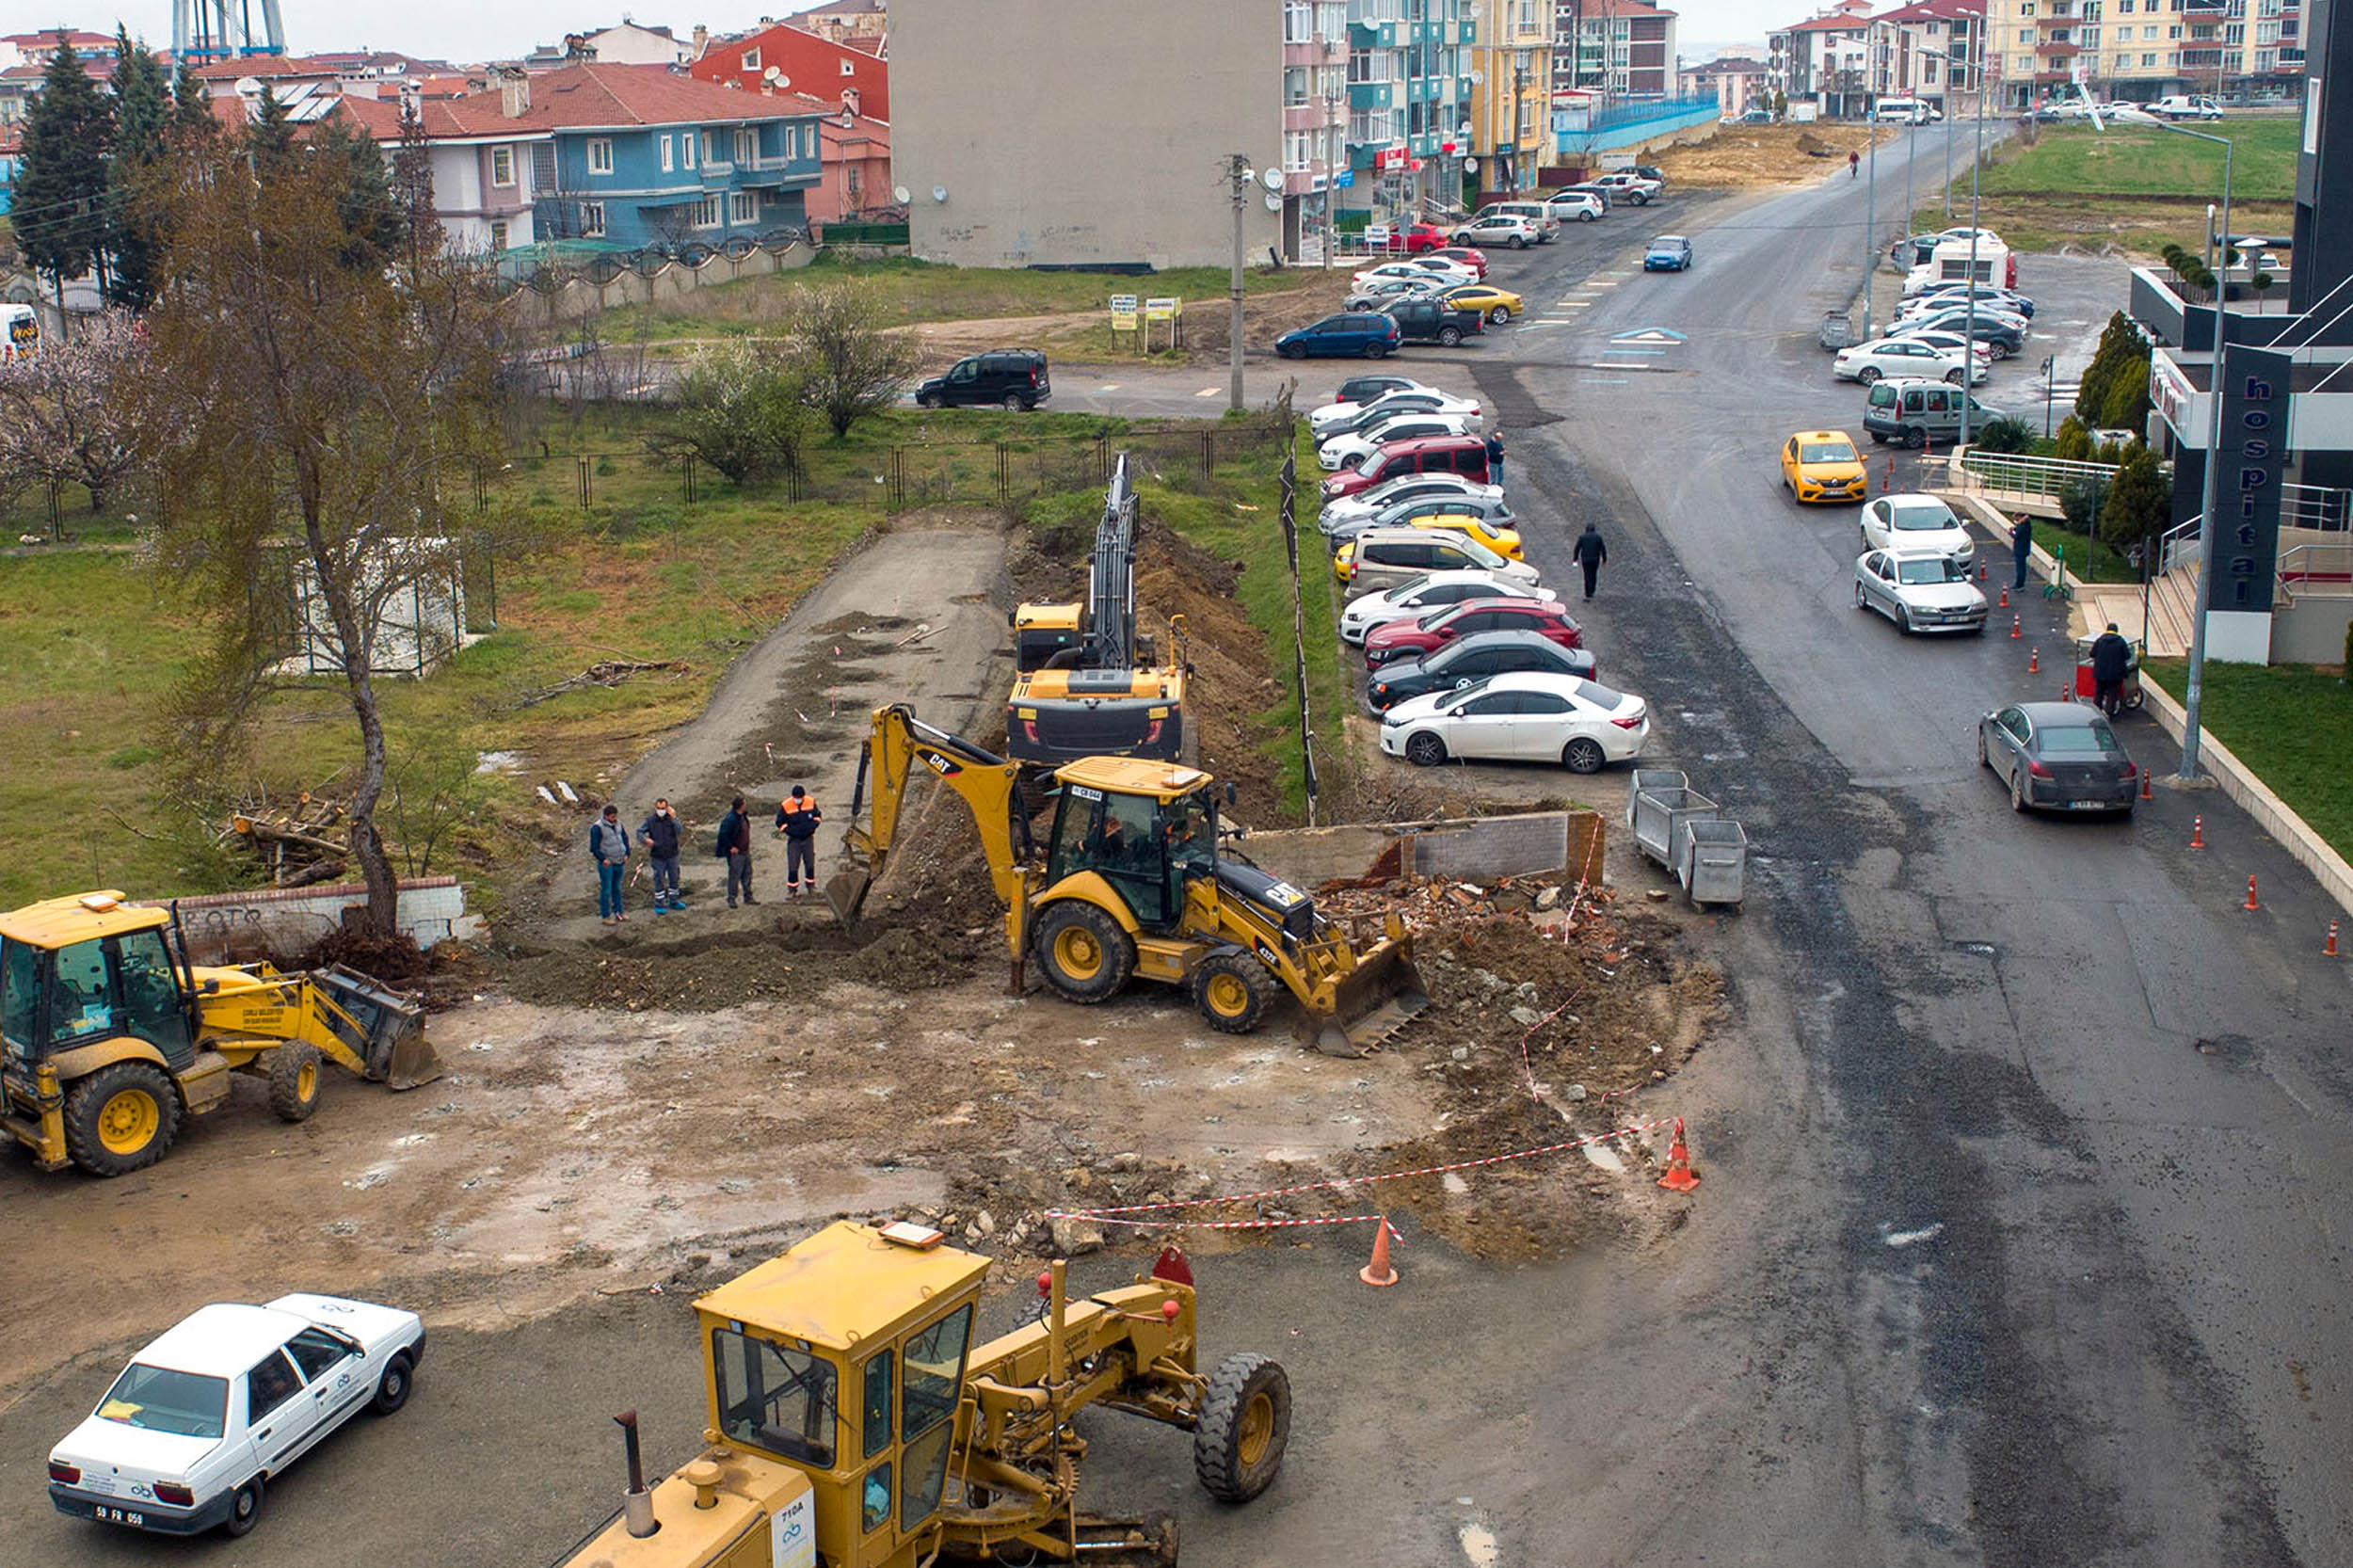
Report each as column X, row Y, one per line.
column 201, row 1420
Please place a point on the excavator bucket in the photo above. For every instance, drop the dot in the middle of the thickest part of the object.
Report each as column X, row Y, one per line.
column 1372, row 1001
column 397, row 1053
column 846, row 891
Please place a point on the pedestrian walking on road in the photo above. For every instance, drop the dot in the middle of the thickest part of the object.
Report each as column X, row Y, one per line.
column 735, row 848
column 1854, row 165
column 608, row 845
column 2111, row 660
column 797, row 818
column 1495, row 460
column 2021, row 550
column 659, row 834
column 1591, row 552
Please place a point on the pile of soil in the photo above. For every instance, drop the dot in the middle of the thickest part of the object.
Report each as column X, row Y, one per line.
column 1232, row 682
column 791, row 959
column 1762, row 154
column 390, row 959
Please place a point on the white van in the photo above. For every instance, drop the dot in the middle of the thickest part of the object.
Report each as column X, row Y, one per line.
column 19, row 330
column 1951, row 262
column 1902, row 111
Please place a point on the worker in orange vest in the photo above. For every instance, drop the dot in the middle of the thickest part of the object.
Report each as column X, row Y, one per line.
column 797, row 817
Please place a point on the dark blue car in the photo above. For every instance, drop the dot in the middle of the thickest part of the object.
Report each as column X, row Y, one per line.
column 1352, row 334
column 1668, row 253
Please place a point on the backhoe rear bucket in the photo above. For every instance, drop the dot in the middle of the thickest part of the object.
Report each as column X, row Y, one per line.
column 846, row 891
column 397, row 1053
column 1372, row 1001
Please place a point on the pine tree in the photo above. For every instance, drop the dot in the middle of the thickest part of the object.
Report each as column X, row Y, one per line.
column 2139, row 504
column 192, row 122
column 142, row 139
column 269, row 143
column 375, row 222
column 60, row 206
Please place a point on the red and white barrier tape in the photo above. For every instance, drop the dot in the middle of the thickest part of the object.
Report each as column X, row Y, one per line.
column 1232, row 1224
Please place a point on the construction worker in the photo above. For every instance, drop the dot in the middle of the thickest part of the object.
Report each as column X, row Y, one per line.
column 608, row 845
column 659, row 834
column 797, row 818
column 735, row 847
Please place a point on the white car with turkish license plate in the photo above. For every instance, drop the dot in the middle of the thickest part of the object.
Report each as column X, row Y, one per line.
column 1365, row 504
column 1333, row 418
column 1867, row 361
column 1431, row 591
column 1347, row 451
column 1920, row 590
column 1414, row 272
column 1916, row 522
column 201, row 1420
column 1526, row 716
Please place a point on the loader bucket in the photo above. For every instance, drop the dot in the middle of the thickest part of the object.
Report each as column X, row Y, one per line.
column 1371, row 1002
column 396, row 1052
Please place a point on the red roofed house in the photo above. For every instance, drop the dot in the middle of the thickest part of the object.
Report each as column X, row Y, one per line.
column 855, row 178
column 1826, row 58
column 818, row 67
column 1920, row 50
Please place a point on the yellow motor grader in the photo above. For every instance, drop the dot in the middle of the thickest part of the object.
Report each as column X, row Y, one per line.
column 110, row 1037
column 854, row 1423
column 1131, row 882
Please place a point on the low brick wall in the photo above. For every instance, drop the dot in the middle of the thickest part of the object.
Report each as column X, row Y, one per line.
column 238, row 928
column 1479, row 849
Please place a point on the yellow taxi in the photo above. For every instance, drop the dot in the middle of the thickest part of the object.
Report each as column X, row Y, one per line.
column 1497, row 305
column 1823, row 465
column 1495, row 535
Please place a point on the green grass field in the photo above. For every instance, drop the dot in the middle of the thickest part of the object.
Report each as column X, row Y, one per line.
column 2293, row 724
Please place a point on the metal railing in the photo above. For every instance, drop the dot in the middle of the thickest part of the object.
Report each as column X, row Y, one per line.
column 2316, row 570
column 2182, row 545
column 2016, row 473
column 2317, row 506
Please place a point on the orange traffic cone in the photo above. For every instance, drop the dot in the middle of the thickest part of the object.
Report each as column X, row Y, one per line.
column 2330, row 950
column 2197, row 832
column 2034, row 661
column 1378, row 1272
column 2004, row 604
column 1980, row 571
column 2014, row 632
column 1680, row 1178
column 2146, row 792
column 2251, row 902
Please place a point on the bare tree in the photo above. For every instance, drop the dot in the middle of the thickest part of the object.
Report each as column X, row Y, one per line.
column 314, row 394
column 849, row 363
column 68, row 415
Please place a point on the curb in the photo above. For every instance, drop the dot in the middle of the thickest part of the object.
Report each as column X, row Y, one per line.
column 2270, row 812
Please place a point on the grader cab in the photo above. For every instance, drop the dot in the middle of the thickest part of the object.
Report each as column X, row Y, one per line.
column 852, row 1419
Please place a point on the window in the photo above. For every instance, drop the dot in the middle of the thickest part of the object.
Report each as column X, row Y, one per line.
column 707, row 213
column 600, row 156
column 686, row 150
column 314, row 1350
column 873, row 1507
column 774, row 1398
column 19, row 992
column 746, row 146
column 874, row 1405
column 83, row 1002
column 744, row 207
column 502, row 166
column 2174, row 32
column 710, row 148
column 498, row 236
column 792, row 143
column 152, row 1007
column 2148, row 61
column 2149, row 35
column 750, row 60
column 154, row 1399
column 270, row 1385
column 592, row 218
column 665, row 152
column 1295, row 85
column 929, row 1382
column 1298, row 21
column 849, row 68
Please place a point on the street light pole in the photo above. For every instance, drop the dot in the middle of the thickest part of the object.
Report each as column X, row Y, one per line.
column 2194, row 691
column 1237, row 170
column 1969, row 317
column 1870, row 200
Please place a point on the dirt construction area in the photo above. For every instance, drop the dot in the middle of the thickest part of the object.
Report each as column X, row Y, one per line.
column 646, row 1110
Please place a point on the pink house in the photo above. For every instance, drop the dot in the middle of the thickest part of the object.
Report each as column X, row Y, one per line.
column 854, row 176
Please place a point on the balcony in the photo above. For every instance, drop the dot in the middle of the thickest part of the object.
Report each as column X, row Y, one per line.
column 1370, row 95
column 1372, row 35
column 1466, row 32
column 2057, row 49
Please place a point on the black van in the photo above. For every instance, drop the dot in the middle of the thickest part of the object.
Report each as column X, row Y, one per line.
column 1014, row 377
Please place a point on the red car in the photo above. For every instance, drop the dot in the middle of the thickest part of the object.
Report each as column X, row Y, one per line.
column 1418, row 638
column 1414, row 239
column 1468, row 255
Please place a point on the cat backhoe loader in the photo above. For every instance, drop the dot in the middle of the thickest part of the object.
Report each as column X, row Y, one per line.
column 110, row 1037
column 849, row 1426
column 1130, row 884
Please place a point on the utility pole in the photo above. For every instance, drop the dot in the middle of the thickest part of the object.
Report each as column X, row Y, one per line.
column 1870, row 200
column 1238, row 171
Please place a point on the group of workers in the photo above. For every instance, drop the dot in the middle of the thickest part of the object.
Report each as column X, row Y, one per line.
column 612, row 847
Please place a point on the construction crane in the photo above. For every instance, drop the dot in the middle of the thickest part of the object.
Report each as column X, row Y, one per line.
column 849, row 1426
column 113, row 1038
column 1131, row 883
column 1087, row 684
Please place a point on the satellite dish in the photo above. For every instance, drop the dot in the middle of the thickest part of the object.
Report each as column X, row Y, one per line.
column 773, row 74
column 1470, row 166
column 1272, row 178
column 1274, row 202
column 939, row 193
column 901, row 195
column 1476, row 78
column 249, row 87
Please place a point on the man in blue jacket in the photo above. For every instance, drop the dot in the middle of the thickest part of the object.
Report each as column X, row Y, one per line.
column 659, row 834
column 735, row 848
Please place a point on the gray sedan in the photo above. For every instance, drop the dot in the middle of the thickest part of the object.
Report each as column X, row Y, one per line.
column 2059, row 754
column 1920, row 590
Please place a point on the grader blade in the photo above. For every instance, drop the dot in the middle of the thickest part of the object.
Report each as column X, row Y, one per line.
column 1372, row 1001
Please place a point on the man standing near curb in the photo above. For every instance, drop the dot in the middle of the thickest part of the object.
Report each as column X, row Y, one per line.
column 735, row 848
column 608, row 845
column 2021, row 550
column 797, row 818
column 658, row 833
column 1590, row 551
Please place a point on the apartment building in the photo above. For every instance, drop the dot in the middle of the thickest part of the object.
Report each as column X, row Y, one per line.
column 1739, row 82
column 1927, row 50
column 2140, row 50
column 1409, row 102
column 1826, row 58
column 1615, row 48
column 1511, row 77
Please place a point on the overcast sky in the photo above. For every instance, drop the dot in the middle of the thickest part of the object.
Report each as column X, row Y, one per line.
column 466, row 31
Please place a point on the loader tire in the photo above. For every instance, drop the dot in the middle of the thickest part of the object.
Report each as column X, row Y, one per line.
column 293, row 1081
column 1233, row 990
column 1245, row 1424
column 121, row 1119
column 1083, row 953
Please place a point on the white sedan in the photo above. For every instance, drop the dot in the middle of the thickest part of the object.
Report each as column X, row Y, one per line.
column 201, row 1421
column 1348, row 449
column 1902, row 357
column 1431, row 591
column 1920, row 590
column 1416, row 272
column 1333, row 418
column 1353, row 510
column 1917, row 523
column 1526, row 717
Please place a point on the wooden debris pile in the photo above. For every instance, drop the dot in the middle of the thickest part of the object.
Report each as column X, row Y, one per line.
column 1431, row 903
column 604, row 672
column 299, row 841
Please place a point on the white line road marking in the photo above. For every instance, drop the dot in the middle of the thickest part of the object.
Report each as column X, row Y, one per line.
column 1620, row 364
column 1601, row 381
column 1108, row 386
column 1913, row 1237
column 1206, row 391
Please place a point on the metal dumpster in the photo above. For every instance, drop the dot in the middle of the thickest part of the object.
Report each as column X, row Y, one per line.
column 1660, row 806
column 1711, row 859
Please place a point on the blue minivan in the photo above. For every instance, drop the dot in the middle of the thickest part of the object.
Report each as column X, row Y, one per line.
column 1352, row 334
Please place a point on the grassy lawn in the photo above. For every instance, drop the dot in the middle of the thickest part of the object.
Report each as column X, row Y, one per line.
column 2293, row 724
column 2134, row 186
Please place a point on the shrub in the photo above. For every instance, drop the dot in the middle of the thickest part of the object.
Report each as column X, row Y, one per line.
column 2007, row 434
column 2139, row 502
column 739, row 409
column 2072, row 443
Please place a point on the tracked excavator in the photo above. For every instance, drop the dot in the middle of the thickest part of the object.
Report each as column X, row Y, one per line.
column 854, row 1423
column 110, row 1038
column 1132, row 883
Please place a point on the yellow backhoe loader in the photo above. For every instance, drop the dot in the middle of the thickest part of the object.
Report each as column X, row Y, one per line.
column 1131, row 882
column 849, row 1425
column 110, row 1037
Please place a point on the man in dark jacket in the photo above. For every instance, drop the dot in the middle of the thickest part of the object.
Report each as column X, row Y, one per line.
column 2021, row 550
column 735, row 848
column 608, row 845
column 2111, row 659
column 797, row 817
column 659, row 834
column 1495, row 460
column 1591, row 552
